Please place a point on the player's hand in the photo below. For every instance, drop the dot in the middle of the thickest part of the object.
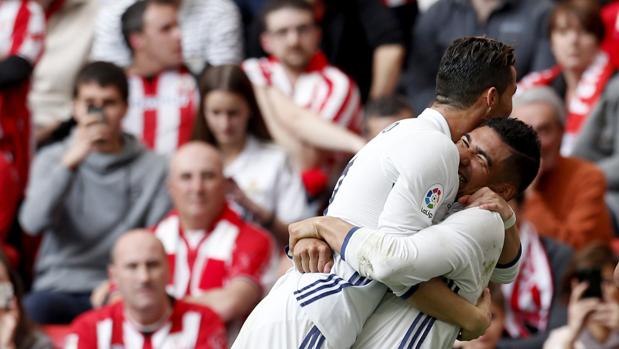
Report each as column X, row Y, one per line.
column 481, row 322
column 302, row 230
column 312, row 256
column 486, row 199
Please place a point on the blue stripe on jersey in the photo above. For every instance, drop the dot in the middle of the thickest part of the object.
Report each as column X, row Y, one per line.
column 308, row 337
column 345, row 243
column 313, row 339
column 329, row 278
column 424, row 328
column 410, row 330
column 425, row 333
column 410, row 292
column 327, row 287
column 420, row 330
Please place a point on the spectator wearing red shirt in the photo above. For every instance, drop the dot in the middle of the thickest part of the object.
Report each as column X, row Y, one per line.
column 146, row 317
column 22, row 30
column 300, row 73
column 163, row 95
column 216, row 259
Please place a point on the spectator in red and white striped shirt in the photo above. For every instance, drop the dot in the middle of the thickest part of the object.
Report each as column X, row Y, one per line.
column 163, row 95
column 22, row 30
column 300, row 71
column 146, row 317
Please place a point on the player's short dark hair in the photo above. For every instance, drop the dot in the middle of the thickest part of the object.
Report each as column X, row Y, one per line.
column 469, row 66
column 522, row 166
column 132, row 20
column 276, row 5
column 387, row 106
column 103, row 74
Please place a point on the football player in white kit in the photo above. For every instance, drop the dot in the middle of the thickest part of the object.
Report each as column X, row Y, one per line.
column 464, row 248
column 385, row 186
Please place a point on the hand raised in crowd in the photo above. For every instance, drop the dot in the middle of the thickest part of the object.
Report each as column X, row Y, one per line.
column 580, row 309
column 487, row 199
column 91, row 130
column 9, row 317
column 312, row 256
column 607, row 315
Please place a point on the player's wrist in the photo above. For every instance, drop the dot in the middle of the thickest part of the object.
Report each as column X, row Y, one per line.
column 510, row 221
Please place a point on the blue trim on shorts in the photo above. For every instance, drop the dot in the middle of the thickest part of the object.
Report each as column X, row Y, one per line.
column 345, row 243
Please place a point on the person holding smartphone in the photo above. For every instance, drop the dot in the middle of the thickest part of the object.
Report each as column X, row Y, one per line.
column 16, row 331
column 593, row 302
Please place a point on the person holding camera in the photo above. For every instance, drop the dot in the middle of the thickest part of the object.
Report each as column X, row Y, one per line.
column 593, row 308
column 16, row 331
column 86, row 191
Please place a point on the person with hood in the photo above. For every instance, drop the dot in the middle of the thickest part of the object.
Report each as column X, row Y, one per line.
column 86, row 191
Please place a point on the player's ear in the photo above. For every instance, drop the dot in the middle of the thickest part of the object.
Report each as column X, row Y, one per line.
column 491, row 97
column 506, row 190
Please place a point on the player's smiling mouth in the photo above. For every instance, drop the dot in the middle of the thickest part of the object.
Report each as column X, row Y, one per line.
column 461, row 179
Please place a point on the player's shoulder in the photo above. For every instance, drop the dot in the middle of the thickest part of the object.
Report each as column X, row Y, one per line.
column 414, row 138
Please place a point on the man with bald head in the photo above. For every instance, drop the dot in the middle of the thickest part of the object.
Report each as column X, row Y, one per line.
column 216, row 258
column 146, row 317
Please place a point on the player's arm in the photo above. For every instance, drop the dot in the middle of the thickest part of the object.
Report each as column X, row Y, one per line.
column 509, row 262
column 432, row 297
column 437, row 300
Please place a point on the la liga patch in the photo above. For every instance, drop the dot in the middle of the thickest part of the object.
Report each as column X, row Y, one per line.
column 431, row 200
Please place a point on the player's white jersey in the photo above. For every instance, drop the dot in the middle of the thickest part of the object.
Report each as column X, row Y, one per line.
column 464, row 249
column 401, row 182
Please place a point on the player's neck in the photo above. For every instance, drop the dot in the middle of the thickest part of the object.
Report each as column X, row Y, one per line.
column 460, row 121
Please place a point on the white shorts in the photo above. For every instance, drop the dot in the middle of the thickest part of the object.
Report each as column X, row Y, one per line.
column 278, row 324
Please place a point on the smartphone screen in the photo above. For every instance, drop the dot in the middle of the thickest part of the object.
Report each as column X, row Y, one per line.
column 594, row 278
column 98, row 112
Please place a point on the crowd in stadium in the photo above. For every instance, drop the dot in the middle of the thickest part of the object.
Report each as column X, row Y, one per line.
column 153, row 153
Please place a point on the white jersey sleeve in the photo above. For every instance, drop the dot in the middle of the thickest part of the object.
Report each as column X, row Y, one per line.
column 401, row 262
column 505, row 274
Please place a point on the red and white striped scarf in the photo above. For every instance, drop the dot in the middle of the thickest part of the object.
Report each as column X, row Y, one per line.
column 529, row 297
column 585, row 97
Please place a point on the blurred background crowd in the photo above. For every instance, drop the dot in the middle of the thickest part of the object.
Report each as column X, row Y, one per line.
column 152, row 153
